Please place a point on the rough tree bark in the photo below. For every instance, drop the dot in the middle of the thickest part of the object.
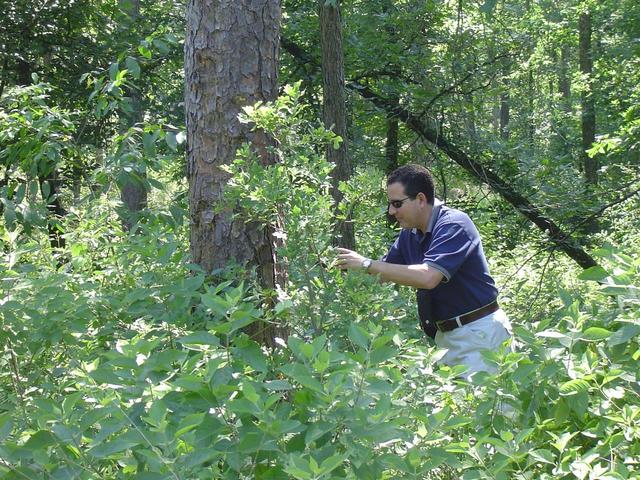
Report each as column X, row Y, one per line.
column 334, row 108
column 561, row 240
column 588, row 118
column 231, row 60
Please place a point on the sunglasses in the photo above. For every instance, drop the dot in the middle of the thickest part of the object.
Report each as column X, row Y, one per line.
column 397, row 203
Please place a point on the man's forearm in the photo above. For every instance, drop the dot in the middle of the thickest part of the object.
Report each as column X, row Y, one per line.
column 418, row 276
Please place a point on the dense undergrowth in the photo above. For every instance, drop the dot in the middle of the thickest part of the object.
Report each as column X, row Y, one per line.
column 127, row 361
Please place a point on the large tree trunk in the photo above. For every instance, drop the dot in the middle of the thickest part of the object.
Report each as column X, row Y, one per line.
column 561, row 240
column 334, row 109
column 133, row 192
column 231, row 60
column 590, row 165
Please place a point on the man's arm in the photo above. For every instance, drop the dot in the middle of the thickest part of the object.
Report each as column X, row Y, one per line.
column 418, row 276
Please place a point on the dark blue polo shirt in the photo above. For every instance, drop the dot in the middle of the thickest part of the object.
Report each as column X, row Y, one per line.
column 451, row 245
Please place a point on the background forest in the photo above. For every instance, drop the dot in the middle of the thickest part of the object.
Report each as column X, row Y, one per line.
column 154, row 328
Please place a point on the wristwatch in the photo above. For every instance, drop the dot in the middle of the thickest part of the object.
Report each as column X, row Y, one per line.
column 366, row 263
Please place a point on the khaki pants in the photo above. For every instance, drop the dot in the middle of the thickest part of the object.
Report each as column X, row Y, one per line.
column 465, row 344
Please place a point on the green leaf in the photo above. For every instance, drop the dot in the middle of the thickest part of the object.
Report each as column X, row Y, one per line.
column 171, row 140
column 332, row 463
column 70, row 401
column 277, row 385
column 551, row 334
column 252, row 354
column 298, row 467
column 573, row 387
column 113, row 71
column 594, row 334
column 544, row 456
column 149, row 144
column 627, row 291
column 6, row 425
column 254, row 441
column 382, row 354
column 216, row 304
column 488, row 7
column 322, row 361
column 157, row 414
column 188, row 423
column 119, row 444
column 593, row 273
column 316, row 430
column 359, row 336
column 40, row 439
column 624, row 334
column 162, row 47
column 239, row 319
column 133, row 66
column 301, row 374
column 200, row 338
column 283, row 306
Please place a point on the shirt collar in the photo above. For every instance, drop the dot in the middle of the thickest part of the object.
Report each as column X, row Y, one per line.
column 435, row 211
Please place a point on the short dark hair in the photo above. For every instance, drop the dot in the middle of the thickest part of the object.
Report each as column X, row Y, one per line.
column 414, row 179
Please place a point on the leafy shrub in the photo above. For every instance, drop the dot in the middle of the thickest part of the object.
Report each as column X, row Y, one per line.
column 129, row 362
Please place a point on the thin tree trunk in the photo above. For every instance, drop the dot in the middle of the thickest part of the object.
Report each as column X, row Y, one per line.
column 391, row 149
column 231, row 60
column 496, row 100
column 56, row 211
column 562, row 143
column 588, row 118
column 470, row 117
column 334, row 110
column 133, row 192
column 504, row 114
column 391, row 143
column 564, row 81
column 3, row 75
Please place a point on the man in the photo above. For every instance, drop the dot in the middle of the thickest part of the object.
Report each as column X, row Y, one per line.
column 439, row 252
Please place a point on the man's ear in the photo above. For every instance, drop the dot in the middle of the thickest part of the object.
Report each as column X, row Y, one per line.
column 422, row 197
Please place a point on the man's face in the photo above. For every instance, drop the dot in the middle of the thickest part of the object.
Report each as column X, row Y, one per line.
column 406, row 210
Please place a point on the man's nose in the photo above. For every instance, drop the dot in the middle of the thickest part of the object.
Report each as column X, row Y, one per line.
column 391, row 210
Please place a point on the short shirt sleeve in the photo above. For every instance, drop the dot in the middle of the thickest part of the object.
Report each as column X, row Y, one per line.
column 394, row 255
column 450, row 246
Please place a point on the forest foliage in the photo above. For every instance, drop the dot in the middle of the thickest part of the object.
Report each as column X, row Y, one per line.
column 123, row 359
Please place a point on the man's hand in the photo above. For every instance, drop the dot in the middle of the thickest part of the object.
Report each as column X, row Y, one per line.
column 348, row 259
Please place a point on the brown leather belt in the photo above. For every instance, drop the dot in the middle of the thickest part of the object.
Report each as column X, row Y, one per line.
column 455, row 322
